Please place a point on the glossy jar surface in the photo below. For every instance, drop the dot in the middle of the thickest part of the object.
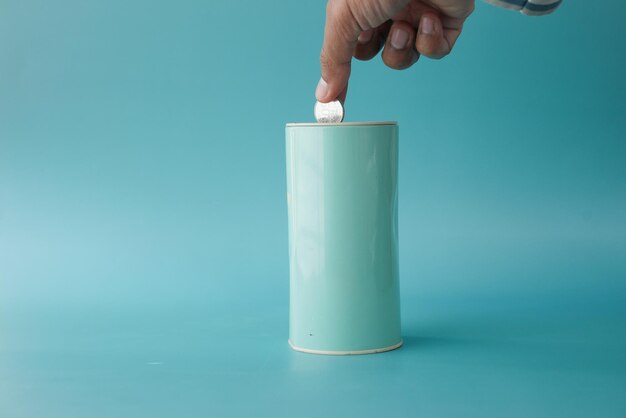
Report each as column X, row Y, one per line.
column 343, row 237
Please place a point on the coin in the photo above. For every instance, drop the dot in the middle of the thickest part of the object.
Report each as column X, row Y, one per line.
column 331, row 112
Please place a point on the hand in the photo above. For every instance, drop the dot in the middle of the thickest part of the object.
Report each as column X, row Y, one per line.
column 406, row 28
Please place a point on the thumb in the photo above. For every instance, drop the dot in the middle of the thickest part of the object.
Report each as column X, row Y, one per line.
column 340, row 39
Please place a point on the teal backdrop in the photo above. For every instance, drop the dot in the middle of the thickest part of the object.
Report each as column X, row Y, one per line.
column 143, row 217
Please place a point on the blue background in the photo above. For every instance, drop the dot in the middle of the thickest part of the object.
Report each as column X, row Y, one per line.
column 143, row 232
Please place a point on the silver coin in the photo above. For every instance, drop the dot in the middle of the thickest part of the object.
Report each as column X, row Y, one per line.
column 331, row 112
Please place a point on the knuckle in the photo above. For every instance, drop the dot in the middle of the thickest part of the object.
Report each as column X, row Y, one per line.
column 340, row 14
column 331, row 6
column 335, row 9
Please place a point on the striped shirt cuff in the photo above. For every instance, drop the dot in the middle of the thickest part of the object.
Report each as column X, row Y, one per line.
column 528, row 7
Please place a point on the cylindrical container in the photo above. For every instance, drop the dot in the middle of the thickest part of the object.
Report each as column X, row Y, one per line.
column 342, row 203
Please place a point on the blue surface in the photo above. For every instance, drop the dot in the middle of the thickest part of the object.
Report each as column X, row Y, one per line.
column 143, row 223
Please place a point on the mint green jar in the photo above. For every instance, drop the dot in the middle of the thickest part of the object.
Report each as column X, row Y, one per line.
column 343, row 237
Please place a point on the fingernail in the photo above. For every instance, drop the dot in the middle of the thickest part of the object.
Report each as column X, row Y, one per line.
column 399, row 38
column 322, row 89
column 365, row 37
column 427, row 27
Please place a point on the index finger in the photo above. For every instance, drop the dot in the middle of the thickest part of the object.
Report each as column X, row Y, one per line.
column 340, row 38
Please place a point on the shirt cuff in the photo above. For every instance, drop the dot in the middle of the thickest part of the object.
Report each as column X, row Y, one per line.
column 528, row 7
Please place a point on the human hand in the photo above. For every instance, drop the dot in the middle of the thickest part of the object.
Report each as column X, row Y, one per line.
column 406, row 29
